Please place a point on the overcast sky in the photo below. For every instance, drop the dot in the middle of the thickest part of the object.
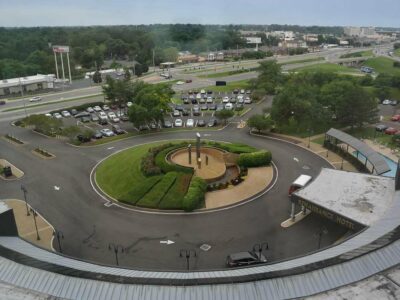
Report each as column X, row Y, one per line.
column 115, row 12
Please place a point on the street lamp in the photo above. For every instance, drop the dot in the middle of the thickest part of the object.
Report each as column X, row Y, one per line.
column 23, row 189
column 116, row 249
column 187, row 253
column 260, row 247
column 320, row 233
column 34, row 214
column 59, row 234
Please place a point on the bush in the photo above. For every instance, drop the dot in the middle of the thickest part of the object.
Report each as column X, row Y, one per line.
column 166, row 166
column 236, row 148
column 255, row 159
column 155, row 195
column 195, row 195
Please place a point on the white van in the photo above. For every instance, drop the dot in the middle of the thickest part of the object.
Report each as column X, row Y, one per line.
column 299, row 183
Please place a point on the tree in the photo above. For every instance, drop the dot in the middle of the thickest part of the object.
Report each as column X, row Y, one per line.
column 224, row 114
column 382, row 93
column 138, row 115
column 260, row 122
column 97, row 77
column 127, row 74
column 269, row 76
column 170, row 54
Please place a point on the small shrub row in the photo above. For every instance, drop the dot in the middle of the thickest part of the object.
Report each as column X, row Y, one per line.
column 155, row 195
column 14, row 139
column 195, row 195
column 236, row 148
column 138, row 191
column 255, row 159
column 43, row 152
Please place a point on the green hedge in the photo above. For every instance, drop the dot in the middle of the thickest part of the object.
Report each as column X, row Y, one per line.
column 155, row 195
column 255, row 159
column 138, row 191
column 195, row 195
column 233, row 148
column 166, row 166
column 173, row 199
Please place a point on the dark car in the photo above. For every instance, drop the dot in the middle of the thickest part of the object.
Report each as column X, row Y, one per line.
column 2, row 102
column 381, row 127
column 201, row 123
column 185, row 112
column 103, row 122
column 82, row 138
column 117, row 130
column 393, row 102
column 124, row 118
column 74, row 111
column 212, row 107
column 85, row 119
column 188, row 80
column 196, row 112
column 236, row 91
column 97, row 135
column 194, row 101
column 186, row 101
column 209, row 92
column 179, row 107
column 167, row 124
column 212, row 123
column 82, row 114
column 245, row 259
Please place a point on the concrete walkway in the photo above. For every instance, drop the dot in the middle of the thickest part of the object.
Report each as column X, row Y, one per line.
column 26, row 225
column 256, row 181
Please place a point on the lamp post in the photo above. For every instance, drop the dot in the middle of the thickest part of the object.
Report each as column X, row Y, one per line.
column 320, row 233
column 259, row 247
column 116, row 249
column 34, row 214
column 59, row 235
column 187, row 253
column 23, row 189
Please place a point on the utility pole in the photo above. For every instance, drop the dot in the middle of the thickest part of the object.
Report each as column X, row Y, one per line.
column 154, row 62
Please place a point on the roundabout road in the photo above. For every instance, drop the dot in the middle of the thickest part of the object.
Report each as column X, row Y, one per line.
column 89, row 226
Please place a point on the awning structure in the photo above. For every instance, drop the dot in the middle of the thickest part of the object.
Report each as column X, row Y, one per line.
column 379, row 165
column 350, row 199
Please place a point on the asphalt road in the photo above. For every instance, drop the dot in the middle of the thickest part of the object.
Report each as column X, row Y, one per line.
column 89, row 226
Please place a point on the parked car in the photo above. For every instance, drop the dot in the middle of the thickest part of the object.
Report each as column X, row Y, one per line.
column 394, row 102
column 386, row 102
column 381, row 127
column 178, row 123
column 225, row 99
column 212, row 123
column 245, row 259
column 395, row 118
column 202, row 101
column 57, row 116
column 117, row 130
column 74, row 111
column 209, row 92
column 239, row 106
column 194, row 101
column 202, row 91
column 212, row 107
column 204, row 107
column 112, row 114
column 97, row 135
column 196, row 111
column 115, row 119
column 97, row 108
column 82, row 114
column 35, row 99
column 185, row 112
column 48, row 115
column 179, row 107
column 236, row 91
column 2, row 102
column 176, row 113
column 94, row 118
column 167, row 124
column 233, row 100
column 65, row 113
column 129, row 104
column 105, row 107
column 247, row 100
column 228, row 106
column 220, row 107
column 242, row 91
column 190, row 123
column 90, row 109
column 106, row 132
column 103, row 115
column 188, row 80
column 85, row 119
column 209, row 100
column 391, row 131
column 186, row 100
column 143, row 127
column 82, row 138
column 201, row 123
column 248, row 92
column 103, row 121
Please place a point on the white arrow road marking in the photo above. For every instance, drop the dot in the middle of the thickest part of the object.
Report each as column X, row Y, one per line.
column 167, row 242
column 57, row 188
column 110, row 148
column 108, row 204
column 295, row 159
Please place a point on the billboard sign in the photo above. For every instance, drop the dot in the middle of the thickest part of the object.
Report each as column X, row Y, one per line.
column 61, row 49
column 253, row 40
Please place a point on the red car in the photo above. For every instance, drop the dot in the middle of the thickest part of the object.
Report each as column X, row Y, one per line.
column 396, row 118
column 391, row 131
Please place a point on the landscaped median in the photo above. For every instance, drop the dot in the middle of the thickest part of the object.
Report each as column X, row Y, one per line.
column 144, row 176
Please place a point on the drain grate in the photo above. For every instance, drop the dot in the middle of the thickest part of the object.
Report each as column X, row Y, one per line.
column 205, row 247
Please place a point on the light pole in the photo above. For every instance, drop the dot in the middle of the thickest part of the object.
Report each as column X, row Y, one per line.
column 59, row 235
column 116, row 248
column 187, row 253
column 320, row 233
column 34, row 214
column 23, row 189
column 260, row 247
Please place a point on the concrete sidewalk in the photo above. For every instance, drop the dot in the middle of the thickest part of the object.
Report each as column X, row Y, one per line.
column 26, row 225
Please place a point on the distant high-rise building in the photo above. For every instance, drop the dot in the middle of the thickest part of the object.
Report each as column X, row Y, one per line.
column 359, row 31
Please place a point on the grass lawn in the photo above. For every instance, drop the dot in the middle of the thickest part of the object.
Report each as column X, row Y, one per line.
column 173, row 198
column 382, row 65
column 397, row 52
column 358, row 54
column 241, row 84
column 329, row 67
column 301, row 61
column 227, row 73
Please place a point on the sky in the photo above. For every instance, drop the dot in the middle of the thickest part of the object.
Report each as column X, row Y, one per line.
column 29, row 13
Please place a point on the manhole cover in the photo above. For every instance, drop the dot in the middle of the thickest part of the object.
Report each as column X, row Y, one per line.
column 205, row 247
column 305, row 167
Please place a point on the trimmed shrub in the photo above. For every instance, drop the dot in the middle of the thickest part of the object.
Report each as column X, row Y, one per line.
column 166, row 166
column 173, row 199
column 138, row 191
column 255, row 159
column 155, row 195
column 236, row 148
column 195, row 195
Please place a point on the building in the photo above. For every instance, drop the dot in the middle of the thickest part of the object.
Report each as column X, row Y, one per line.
column 186, row 57
column 215, row 56
column 360, row 31
column 311, row 37
column 26, row 84
column 293, row 44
